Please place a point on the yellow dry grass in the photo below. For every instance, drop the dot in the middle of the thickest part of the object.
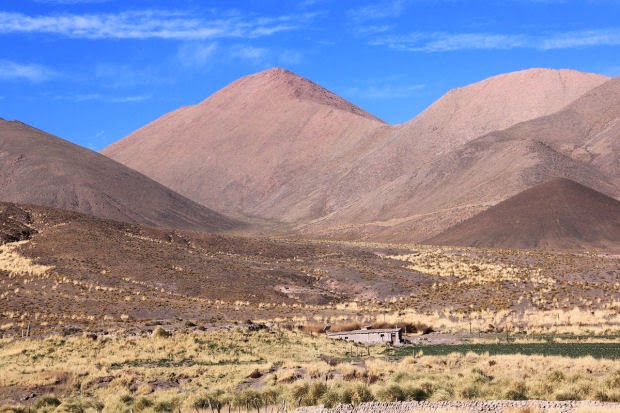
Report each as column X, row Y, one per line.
column 15, row 264
column 235, row 365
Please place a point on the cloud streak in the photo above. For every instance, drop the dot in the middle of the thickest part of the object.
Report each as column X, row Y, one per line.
column 10, row 70
column 149, row 24
column 383, row 10
column 103, row 98
column 448, row 42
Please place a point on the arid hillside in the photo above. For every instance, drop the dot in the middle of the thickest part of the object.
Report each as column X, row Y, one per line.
column 277, row 147
column 265, row 146
column 60, row 269
column 578, row 142
column 38, row 168
column 588, row 130
column 494, row 104
column 556, row 214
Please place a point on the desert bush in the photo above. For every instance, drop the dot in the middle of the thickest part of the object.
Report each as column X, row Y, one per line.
column 356, row 394
column 47, row 402
column 165, row 406
column 608, row 395
column 391, row 393
column 213, row 400
column 12, row 409
column 126, row 399
column 79, row 406
column 442, row 394
column 567, row 394
column 517, row 391
column 248, row 399
column 143, row 403
column 470, row 392
column 308, row 393
column 331, row 398
column 417, row 393
column 160, row 332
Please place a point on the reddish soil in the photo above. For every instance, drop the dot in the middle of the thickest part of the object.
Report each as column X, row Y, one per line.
column 277, row 147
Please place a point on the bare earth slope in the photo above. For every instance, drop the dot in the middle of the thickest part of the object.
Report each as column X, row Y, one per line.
column 259, row 147
column 493, row 104
column 559, row 213
column 38, row 168
column 426, row 194
column 587, row 130
column 279, row 147
column 76, row 268
column 455, row 187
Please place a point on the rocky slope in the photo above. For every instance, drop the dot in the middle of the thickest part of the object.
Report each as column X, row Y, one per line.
column 38, row 168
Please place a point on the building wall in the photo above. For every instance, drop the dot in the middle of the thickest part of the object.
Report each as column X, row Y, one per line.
column 367, row 338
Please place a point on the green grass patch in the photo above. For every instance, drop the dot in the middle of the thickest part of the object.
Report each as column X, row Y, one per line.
column 574, row 350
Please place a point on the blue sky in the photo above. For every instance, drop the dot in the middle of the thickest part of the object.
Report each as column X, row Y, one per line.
column 92, row 71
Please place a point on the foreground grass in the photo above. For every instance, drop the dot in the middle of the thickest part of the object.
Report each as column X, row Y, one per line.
column 191, row 370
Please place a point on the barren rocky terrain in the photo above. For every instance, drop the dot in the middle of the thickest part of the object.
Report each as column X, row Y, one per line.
column 556, row 214
column 306, row 161
column 38, row 168
column 62, row 268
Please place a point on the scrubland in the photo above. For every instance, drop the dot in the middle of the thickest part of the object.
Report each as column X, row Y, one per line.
column 80, row 302
column 189, row 369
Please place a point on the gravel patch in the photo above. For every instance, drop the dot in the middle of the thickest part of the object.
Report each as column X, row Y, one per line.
column 487, row 406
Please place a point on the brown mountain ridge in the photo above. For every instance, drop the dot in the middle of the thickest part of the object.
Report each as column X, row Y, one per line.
column 263, row 146
column 559, row 213
column 277, row 147
column 38, row 168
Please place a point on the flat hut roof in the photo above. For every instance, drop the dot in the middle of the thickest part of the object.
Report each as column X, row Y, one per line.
column 365, row 331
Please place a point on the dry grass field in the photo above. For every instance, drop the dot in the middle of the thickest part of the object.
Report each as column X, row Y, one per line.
column 86, row 304
column 188, row 369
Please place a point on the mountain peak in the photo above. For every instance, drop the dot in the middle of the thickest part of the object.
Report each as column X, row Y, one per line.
column 282, row 84
column 497, row 103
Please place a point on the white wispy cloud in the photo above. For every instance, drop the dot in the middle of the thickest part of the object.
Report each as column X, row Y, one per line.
column 31, row 72
column 201, row 54
column 290, row 57
column 145, row 24
column 446, row 42
column 376, row 11
column 118, row 76
column 196, row 54
column 250, row 54
column 585, row 38
column 88, row 97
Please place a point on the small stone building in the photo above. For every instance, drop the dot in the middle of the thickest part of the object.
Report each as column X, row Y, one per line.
column 369, row 335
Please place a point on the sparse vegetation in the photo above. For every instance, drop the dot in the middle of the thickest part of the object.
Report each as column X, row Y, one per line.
column 239, row 367
column 93, row 332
